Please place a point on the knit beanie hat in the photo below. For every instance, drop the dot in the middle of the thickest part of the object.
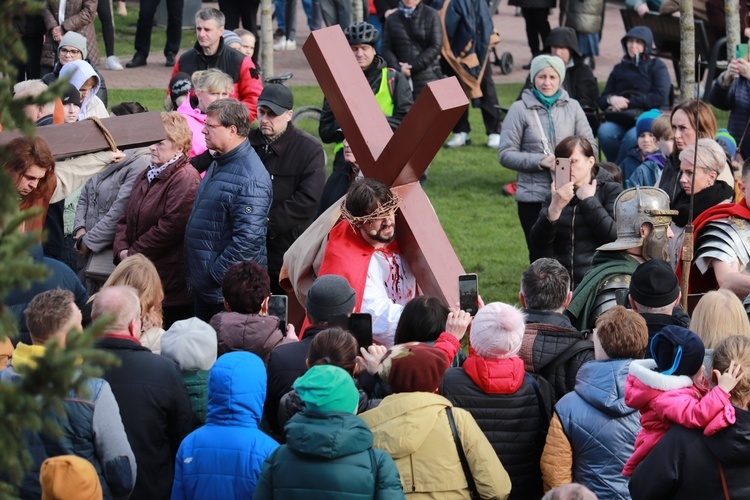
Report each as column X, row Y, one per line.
column 75, row 40
column 727, row 142
column 644, row 122
column 71, row 96
column 497, row 331
column 230, row 37
column 654, row 284
column 327, row 388
column 191, row 343
column 330, row 295
column 542, row 61
column 677, row 351
column 413, row 367
column 68, row 477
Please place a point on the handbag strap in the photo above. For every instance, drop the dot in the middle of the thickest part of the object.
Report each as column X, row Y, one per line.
column 742, row 139
column 461, row 455
column 545, row 141
column 723, row 481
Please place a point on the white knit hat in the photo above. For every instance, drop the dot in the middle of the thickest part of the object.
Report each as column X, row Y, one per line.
column 497, row 331
column 191, row 343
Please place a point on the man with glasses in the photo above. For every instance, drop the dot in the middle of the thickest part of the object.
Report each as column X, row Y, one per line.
column 230, row 214
column 296, row 163
column 363, row 249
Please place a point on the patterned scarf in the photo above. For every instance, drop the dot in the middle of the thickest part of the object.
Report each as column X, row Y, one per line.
column 154, row 170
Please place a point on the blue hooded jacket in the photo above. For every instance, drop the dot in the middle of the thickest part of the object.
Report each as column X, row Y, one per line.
column 643, row 80
column 223, row 459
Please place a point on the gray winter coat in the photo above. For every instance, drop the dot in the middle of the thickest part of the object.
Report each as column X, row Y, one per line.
column 521, row 141
column 104, row 198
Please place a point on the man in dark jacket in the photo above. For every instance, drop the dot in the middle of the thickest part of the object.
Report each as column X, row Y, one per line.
column 654, row 294
column 390, row 87
column 552, row 347
column 296, row 162
column 580, row 82
column 210, row 52
column 637, row 83
column 153, row 400
column 91, row 428
column 229, row 217
column 329, row 295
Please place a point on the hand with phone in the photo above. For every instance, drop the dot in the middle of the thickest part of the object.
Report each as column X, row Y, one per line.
column 560, row 199
column 369, row 358
column 458, row 323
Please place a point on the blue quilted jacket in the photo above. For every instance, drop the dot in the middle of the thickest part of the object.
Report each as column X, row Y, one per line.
column 735, row 99
column 601, row 428
column 223, row 459
column 228, row 221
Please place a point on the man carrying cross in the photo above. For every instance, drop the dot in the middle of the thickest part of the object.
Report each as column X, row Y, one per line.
column 362, row 248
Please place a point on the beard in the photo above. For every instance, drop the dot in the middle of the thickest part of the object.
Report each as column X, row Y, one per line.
column 381, row 237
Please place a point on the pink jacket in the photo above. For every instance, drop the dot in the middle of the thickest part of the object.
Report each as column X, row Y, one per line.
column 667, row 399
column 196, row 119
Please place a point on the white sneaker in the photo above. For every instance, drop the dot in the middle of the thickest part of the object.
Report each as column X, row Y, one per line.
column 113, row 63
column 285, row 44
column 459, row 139
column 493, row 141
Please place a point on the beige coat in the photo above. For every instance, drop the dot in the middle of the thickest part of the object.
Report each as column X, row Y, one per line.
column 79, row 17
column 413, row 428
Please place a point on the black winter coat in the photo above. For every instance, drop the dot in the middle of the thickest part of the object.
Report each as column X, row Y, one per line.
column 416, row 40
column 533, row 4
column 685, row 464
column 155, row 409
column 583, row 226
column 547, row 338
column 514, row 424
column 296, row 163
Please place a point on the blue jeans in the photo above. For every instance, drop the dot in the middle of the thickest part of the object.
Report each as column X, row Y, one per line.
column 280, row 17
column 615, row 141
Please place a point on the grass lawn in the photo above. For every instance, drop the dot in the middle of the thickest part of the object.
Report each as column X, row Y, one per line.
column 464, row 186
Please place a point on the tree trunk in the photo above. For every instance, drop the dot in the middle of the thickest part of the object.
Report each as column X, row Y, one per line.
column 687, row 51
column 266, row 38
column 733, row 27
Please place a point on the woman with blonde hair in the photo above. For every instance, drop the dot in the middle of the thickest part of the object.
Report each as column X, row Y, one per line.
column 157, row 213
column 688, row 464
column 208, row 86
column 140, row 273
column 718, row 315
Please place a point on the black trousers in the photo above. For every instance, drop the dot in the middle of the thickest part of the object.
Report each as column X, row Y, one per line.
column 245, row 11
column 528, row 213
column 487, row 104
column 104, row 11
column 146, row 23
column 537, row 28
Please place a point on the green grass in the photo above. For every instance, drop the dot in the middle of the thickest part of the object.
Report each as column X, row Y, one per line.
column 464, row 186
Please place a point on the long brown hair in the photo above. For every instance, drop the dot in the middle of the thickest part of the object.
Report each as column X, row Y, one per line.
column 25, row 152
column 708, row 124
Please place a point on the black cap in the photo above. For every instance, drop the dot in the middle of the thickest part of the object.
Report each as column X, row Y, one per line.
column 677, row 351
column 654, row 284
column 278, row 98
column 71, row 96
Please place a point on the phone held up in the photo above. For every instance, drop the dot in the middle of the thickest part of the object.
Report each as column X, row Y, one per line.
column 562, row 172
column 278, row 306
column 358, row 324
column 468, row 293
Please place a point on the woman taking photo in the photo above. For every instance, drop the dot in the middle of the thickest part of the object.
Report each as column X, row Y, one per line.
column 708, row 190
column 535, row 124
column 577, row 217
column 157, row 213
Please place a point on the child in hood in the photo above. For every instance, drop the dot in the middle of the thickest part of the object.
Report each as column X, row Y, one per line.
column 671, row 388
column 83, row 77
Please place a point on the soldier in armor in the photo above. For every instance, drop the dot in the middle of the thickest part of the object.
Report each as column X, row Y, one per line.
column 642, row 216
column 722, row 246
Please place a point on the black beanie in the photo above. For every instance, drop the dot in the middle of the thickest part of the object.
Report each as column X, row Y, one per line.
column 677, row 351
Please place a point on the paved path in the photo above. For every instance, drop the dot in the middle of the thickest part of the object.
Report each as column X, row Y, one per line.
column 510, row 27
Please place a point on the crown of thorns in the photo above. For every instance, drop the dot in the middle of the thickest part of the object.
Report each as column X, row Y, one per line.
column 383, row 210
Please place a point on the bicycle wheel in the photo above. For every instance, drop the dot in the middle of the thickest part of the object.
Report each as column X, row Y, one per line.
column 307, row 118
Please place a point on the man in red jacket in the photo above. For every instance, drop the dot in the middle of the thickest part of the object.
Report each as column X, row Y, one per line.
column 210, row 52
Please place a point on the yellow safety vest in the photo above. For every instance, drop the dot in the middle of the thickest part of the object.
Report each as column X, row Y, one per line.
column 385, row 101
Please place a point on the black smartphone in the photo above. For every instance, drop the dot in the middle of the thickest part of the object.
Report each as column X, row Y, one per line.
column 468, row 293
column 278, row 306
column 358, row 324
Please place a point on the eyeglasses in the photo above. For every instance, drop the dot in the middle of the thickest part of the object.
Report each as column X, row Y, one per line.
column 72, row 52
column 212, row 126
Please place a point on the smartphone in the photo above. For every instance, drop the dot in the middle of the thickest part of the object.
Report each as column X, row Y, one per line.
column 279, row 307
column 358, row 324
column 562, row 172
column 468, row 293
column 742, row 51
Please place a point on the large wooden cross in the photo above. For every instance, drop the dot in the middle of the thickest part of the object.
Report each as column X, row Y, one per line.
column 74, row 139
column 399, row 159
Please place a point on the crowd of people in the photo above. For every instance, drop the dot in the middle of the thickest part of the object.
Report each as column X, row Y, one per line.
column 603, row 383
